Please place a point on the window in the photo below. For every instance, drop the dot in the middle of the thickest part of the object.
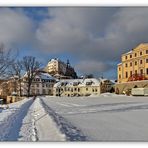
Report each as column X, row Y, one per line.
column 86, row 89
column 146, row 60
column 37, row 91
column 125, row 57
column 146, row 51
column 140, row 61
column 135, row 71
column 135, row 54
column 126, row 74
column 44, row 91
column 37, row 85
column 78, row 89
column 71, row 89
column 119, row 69
column 147, row 71
column 96, row 89
column 119, row 76
column 130, row 63
column 75, row 89
column 141, row 53
column 130, row 56
column 130, row 73
column 141, row 71
column 126, row 65
column 135, row 62
column 43, row 85
column 93, row 90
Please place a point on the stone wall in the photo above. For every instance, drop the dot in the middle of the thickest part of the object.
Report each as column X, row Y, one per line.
column 121, row 88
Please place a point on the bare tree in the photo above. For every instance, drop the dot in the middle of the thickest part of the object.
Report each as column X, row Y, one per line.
column 15, row 71
column 7, row 57
column 31, row 66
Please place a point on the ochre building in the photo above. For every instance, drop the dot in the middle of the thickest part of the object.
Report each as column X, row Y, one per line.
column 134, row 65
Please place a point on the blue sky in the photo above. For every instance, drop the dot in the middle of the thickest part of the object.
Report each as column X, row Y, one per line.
column 92, row 38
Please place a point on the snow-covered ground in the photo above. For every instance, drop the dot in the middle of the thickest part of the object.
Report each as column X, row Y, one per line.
column 107, row 117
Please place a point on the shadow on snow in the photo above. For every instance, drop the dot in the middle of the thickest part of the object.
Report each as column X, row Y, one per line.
column 71, row 132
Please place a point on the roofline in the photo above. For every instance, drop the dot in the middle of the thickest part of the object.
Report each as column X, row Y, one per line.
column 128, row 52
column 119, row 64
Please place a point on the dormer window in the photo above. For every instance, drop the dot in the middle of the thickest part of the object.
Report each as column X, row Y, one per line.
column 88, row 83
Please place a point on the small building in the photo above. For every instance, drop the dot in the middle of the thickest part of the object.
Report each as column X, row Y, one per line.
column 106, row 85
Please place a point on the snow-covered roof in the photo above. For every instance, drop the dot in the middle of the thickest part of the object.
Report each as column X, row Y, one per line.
column 119, row 64
column 46, row 76
column 43, row 75
column 80, row 82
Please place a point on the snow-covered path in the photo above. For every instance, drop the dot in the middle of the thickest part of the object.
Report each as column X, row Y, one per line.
column 39, row 126
column 11, row 120
column 27, row 120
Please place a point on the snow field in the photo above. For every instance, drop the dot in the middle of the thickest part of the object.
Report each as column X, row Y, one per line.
column 107, row 117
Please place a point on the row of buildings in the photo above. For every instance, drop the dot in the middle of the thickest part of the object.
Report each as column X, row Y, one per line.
column 58, row 79
column 133, row 70
column 45, row 84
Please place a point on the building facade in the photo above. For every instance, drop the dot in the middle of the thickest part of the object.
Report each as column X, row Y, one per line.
column 9, row 86
column 60, row 70
column 134, row 65
column 82, row 87
column 77, row 87
column 42, row 85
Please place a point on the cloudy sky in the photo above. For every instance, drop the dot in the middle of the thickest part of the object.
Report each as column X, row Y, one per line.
column 92, row 38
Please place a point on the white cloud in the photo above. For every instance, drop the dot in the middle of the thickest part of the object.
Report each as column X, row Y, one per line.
column 71, row 29
column 97, row 34
column 15, row 27
column 94, row 34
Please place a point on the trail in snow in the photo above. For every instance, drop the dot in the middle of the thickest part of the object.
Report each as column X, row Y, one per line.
column 10, row 125
column 72, row 133
column 39, row 126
